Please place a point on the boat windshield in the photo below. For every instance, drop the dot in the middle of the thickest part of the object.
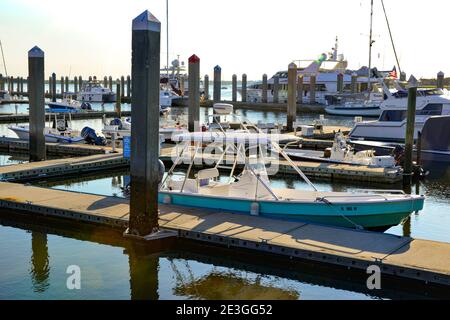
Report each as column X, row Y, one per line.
column 393, row 115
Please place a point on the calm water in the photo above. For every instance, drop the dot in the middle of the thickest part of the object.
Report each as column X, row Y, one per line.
column 34, row 258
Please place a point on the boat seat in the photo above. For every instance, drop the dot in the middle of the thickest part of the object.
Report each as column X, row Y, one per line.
column 204, row 177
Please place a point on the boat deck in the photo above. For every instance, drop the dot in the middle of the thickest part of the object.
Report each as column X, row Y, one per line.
column 403, row 257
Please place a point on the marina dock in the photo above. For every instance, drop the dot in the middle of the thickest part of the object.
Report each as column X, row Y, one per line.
column 402, row 257
column 18, row 118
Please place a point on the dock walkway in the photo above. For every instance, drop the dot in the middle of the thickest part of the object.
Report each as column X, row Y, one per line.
column 23, row 117
column 402, row 257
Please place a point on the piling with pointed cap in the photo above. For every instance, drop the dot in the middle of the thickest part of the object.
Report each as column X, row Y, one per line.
column 54, row 87
column 264, row 89
column 234, row 88
column 292, row 97
column 194, row 89
column 312, row 89
column 440, row 80
column 206, row 87
column 145, row 167
column 275, row 89
column 128, row 86
column 300, row 89
column 37, row 104
column 217, row 83
column 409, row 137
column 244, row 88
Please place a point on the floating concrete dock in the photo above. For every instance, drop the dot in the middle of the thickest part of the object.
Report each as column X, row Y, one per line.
column 23, row 117
column 402, row 257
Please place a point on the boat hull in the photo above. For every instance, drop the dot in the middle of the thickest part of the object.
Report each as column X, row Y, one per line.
column 353, row 112
column 24, row 134
column 373, row 215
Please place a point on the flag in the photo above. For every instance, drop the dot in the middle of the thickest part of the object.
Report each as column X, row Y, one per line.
column 393, row 73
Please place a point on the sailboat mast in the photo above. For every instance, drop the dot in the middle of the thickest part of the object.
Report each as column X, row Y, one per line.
column 370, row 48
column 392, row 39
column 167, row 39
column 3, row 57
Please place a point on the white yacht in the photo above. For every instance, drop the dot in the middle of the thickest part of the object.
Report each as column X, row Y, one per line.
column 67, row 104
column 391, row 125
column 93, row 91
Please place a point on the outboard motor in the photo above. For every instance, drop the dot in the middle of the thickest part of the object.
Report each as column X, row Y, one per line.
column 91, row 137
column 116, row 122
column 86, row 106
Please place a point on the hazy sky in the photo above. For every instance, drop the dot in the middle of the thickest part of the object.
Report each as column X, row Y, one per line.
column 93, row 37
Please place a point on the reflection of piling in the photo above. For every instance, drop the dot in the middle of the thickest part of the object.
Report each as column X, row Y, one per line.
column 409, row 138
column 145, row 166
column 37, row 104
column 234, row 88
column 292, row 97
column 244, row 88
column 275, row 89
column 264, row 89
column 143, row 275
column 194, row 98
column 217, row 83
column 40, row 268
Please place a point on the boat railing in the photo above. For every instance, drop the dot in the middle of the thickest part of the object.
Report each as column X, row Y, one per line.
column 401, row 192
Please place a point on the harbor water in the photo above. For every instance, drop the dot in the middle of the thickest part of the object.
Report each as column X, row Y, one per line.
column 36, row 267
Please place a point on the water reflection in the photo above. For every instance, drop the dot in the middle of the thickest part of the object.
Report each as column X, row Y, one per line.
column 40, row 267
column 143, row 276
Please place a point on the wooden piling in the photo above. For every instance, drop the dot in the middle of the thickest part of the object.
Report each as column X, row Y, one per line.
column 75, row 84
column 67, row 84
column 37, row 104
column 409, row 138
column 217, row 83
column 146, row 38
column 354, row 84
column 194, row 98
column 2, row 82
column 128, row 86
column 312, row 89
column 234, row 88
column 300, row 89
column 292, row 97
column 206, row 87
column 110, row 81
column 118, row 105
column 340, row 83
column 105, row 82
column 54, row 87
column 264, row 89
column 244, row 88
column 275, row 89
column 440, row 80
column 122, row 86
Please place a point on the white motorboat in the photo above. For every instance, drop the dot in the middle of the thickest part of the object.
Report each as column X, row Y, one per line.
column 391, row 125
column 93, row 91
column 58, row 131
column 5, row 96
column 67, row 104
column 223, row 109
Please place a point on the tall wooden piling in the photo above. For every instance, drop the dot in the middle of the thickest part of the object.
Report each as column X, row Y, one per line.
column 2, row 83
column 118, row 105
column 217, row 84
column 354, row 83
column 21, row 85
column 440, row 80
column 340, row 83
column 292, row 97
column 244, row 88
column 62, row 85
column 300, row 89
column 37, row 104
column 145, row 126
column 264, row 89
column 75, row 84
column 128, row 86
column 105, row 82
column 80, row 82
column 11, row 84
column 275, row 89
column 122, row 86
column 110, row 82
column 409, row 137
column 206, row 87
column 234, row 88
column 194, row 98
column 67, row 84
column 90, row 78
column 18, row 85
column 312, row 89
column 54, row 87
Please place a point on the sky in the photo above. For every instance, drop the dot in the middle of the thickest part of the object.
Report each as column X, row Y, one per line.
column 93, row 37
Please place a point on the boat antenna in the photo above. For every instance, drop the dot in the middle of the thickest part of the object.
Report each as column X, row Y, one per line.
column 3, row 57
column 392, row 39
column 167, row 39
column 370, row 49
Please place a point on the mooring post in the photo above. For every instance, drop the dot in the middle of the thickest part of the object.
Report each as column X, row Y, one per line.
column 409, row 137
column 340, row 83
column 244, row 88
column 118, row 107
column 194, row 98
column 312, row 89
column 217, row 84
column 122, row 87
column 264, row 89
column 11, row 84
column 105, row 82
column 234, row 88
column 354, row 84
column 110, row 81
column 75, row 84
column 54, row 87
column 300, row 89
column 62, row 85
column 292, row 97
column 18, row 85
column 67, row 84
column 403, row 76
column 90, row 78
column 275, row 89
column 440, row 80
column 80, row 83
column 37, row 104
column 21, row 85
column 206, row 87
column 145, row 166
column 128, row 86
column 2, row 84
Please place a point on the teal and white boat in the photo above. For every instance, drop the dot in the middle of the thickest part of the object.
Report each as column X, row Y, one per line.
column 250, row 192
